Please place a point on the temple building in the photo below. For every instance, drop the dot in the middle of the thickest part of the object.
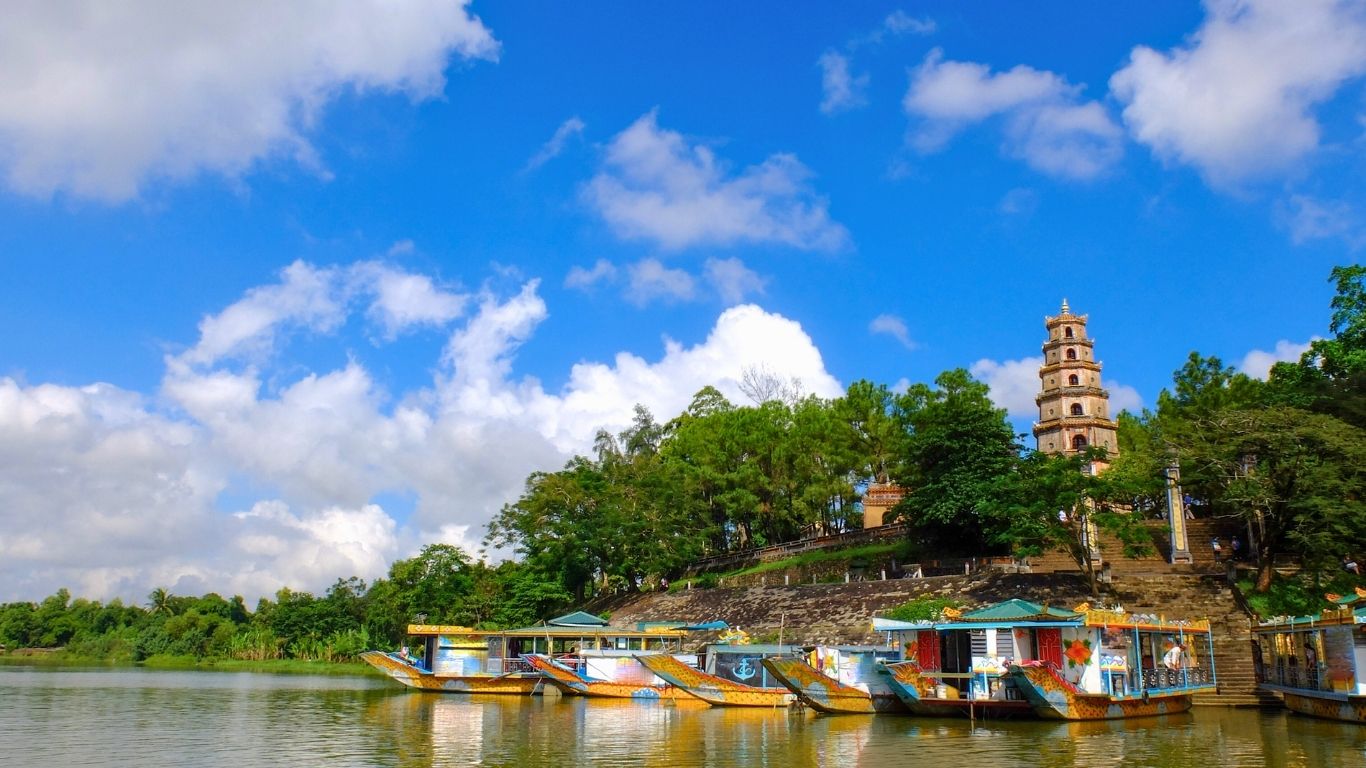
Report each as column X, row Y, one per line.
column 1074, row 410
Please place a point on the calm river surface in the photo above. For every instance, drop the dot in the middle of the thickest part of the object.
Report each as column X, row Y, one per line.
column 129, row 717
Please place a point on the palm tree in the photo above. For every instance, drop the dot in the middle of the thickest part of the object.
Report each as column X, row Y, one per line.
column 161, row 601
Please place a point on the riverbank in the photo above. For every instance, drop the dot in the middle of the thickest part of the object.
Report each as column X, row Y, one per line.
column 269, row 666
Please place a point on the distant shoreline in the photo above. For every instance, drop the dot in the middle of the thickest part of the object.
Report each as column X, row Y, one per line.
column 40, row 657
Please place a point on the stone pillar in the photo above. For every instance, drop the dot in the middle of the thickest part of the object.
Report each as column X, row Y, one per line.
column 1176, row 515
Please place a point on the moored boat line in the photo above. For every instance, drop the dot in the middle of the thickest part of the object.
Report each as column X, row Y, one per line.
column 1010, row 659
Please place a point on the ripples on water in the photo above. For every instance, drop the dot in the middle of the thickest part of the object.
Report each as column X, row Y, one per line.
column 124, row 717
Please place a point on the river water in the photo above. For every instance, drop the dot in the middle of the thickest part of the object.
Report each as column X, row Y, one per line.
column 146, row 718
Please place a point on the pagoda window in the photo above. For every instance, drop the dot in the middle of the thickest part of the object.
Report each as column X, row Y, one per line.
column 1068, row 333
column 1078, row 442
column 1073, row 381
column 1071, row 354
column 1076, row 409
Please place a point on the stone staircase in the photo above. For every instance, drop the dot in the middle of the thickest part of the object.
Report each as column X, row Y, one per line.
column 1197, row 596
column 1199, row 533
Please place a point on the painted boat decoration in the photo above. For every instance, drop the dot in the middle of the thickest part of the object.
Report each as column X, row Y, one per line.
column 1021, row 658
column 1317, row 663
column 459, row 659
column 622, row 683
column 734, row 676
column 1118, row 665
column 458, row 662
column 839, row 679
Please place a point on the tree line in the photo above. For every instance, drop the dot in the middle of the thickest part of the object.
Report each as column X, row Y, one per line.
column 1285, row 456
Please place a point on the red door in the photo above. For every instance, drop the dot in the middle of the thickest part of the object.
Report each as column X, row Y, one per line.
column 927, row 649
column 1049, row 640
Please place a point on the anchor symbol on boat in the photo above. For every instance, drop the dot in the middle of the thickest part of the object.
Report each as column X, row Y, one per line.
column 745, row 670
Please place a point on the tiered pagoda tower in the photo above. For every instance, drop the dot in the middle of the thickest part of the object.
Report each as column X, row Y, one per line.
column 1074, row 411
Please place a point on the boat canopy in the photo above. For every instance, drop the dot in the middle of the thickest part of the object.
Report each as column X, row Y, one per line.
column 1348, row 609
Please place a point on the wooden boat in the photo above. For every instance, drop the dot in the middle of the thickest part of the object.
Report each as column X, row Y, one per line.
column 1103, row 666
column 626, row 679
column 455, row 660
column 839, row 679
column 725, row 681
column 1317, row 663
column 958, row 665
column 464, row 660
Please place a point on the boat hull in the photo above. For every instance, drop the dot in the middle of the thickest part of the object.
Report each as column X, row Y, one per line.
column 517, row 684
column 1053, row 699
column 1323, row 704
column 917, row 693
column 824, row 694
column 716, row 691
column 574, row 684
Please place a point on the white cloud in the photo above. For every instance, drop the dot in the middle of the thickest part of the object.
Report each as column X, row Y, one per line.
column 97, row 101
column 1309, row 218
column 571, row 128
column 317, row 299
column 893, row 326
column 403, row 300
column 655, row 186
column 732, row 280
column 899, row 22
column 1236, row 100
column 1013, row 383
column 222, row 482
column 649, row 279
column 1045, row 123
column 581, row 278
column 840, row 90
column 1257, row 363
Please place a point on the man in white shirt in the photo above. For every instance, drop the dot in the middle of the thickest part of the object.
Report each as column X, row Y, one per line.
column 1174, row 657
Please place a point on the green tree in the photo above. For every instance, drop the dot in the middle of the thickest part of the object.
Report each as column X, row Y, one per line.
column 1297, row 476
column 957, row 444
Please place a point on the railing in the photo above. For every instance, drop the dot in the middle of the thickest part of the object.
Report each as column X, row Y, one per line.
column 1294, row 677
column 1162, row 678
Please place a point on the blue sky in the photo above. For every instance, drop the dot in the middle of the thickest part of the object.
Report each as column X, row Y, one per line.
column 290, row 292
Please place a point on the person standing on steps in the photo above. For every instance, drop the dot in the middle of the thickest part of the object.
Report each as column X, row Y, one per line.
column 1217, row 547
column 1237, row 546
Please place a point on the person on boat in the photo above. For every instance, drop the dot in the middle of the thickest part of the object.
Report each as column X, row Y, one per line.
column 1175, row 657
column 403, row 654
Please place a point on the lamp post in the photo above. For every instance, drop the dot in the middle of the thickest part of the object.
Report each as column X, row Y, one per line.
column 1176, row 514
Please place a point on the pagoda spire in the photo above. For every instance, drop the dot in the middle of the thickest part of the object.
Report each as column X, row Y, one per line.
column 1074, row 409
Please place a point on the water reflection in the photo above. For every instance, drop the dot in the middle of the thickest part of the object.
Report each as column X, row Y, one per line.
column 134, row 717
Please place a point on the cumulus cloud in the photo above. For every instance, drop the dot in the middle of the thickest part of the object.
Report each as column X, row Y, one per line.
column 569, row 129
column 96, row 101
column 587, row 277
column 732, row 280
column 891, row 325
column 656, row 186
column 245, row 479
column 1258, row 362
column 1045, row 123
column 317, row 299
column 840, row 90
column 649, row 280
column 1237, row 99
column 1013, row 383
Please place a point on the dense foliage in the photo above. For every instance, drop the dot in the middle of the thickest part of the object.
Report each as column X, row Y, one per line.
column 440, row 585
